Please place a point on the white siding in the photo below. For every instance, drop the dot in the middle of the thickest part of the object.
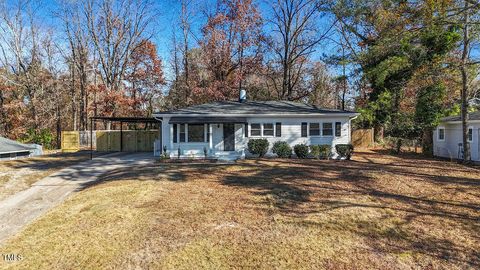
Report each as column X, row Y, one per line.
column 448, row 148
column 291, row 133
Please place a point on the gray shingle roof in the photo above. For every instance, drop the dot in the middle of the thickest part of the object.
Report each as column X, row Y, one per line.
column 471, row 116
column 10, row 146
column 253, row 107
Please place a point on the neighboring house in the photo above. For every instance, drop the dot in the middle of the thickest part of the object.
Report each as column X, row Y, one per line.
column 447, row 138
column 10, row 149
column 224, row 128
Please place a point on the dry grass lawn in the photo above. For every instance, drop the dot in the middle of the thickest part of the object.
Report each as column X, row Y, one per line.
column 375, row 212
column 20, row 174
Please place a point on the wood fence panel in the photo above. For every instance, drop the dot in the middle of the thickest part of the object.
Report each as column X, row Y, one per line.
column 142, row 141
column 152, row 136
column 102, row 141
column 130, row 143
column 133, row 140
column 362, row 138
column 70, row 141
column 114, row 141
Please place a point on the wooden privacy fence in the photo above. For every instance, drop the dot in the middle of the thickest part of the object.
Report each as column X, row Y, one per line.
column 362, row 138
column 131, row 141
column 109, row 140
column 70, row 141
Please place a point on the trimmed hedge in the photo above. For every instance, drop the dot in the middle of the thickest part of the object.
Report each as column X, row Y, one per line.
column 258, row 146
column 344, row 150
column 282, row 149
column 315, row 151
column 321, row 151
column 325, row 150
column 301, row 150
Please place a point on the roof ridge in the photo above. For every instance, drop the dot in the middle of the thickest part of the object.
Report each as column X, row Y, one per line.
column 255, row 107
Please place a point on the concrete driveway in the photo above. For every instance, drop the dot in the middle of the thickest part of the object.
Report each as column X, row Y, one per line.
column 22, row 208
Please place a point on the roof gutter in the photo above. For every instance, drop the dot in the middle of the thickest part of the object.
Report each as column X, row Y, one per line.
column 459, row 121
column 255, row 115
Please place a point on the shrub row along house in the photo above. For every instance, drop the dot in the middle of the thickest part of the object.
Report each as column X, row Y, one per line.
column 222, row 129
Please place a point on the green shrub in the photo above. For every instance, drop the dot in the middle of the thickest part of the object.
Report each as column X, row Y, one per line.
column 301, row 150
column 315, row 151
column 344, row 150
column 43, row 137
column 325, row 150
column 282, row 149
column 258, row 146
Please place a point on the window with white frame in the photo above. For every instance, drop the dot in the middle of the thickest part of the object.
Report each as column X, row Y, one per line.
column 441, row 134
column 327, row 129
column 470, row 134
column 314, row 129
column 208, row 133
column 255, row 130
column 182, row 133
column 268, row 130
column 338, row 129
column 175, row 133
column 304, row 129
column 196, row 133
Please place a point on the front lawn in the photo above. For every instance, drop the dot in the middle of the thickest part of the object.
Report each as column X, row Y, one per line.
column 375, row 212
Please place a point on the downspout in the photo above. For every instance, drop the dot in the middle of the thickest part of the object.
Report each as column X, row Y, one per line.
column 161, row 133
column 350, row 127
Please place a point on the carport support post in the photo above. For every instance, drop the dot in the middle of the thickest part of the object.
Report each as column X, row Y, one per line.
column 121, row 136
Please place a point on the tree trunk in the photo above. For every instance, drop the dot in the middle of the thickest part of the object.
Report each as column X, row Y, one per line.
column 427, row 142
column 3, row 120
column 464, row 107
column 398, row 147
column 83, row 98
column 344, row 78
column 58, row 125
column 378, row 133
column 74, row 101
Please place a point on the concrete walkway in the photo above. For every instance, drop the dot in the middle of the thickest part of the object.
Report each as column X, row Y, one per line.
column 22, row 208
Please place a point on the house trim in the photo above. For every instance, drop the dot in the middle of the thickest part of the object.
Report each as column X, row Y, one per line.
column 259, row 115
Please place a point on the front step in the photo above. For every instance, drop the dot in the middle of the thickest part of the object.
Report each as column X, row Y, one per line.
column 227, row 155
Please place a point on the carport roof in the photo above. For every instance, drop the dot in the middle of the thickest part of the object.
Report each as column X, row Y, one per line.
column 126, row 119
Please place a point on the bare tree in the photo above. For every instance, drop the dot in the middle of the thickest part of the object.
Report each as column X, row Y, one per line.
column 19, row 50
column 76, row 32
column 294, row 23
column 185, row 26
column 116, row 28
column 53, row 85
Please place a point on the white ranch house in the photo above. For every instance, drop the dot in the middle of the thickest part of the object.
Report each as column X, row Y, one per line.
column 447, row 138
column 224, row 128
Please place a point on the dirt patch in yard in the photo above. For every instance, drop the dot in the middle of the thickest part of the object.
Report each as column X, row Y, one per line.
column 20, row 174
column 374, row 212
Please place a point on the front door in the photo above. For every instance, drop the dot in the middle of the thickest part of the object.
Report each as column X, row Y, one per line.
column 229, row 137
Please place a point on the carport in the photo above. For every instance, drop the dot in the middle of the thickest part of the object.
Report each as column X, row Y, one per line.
column 148, row 121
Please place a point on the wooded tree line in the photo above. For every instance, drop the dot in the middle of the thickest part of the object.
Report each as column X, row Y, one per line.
column 402, row 64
